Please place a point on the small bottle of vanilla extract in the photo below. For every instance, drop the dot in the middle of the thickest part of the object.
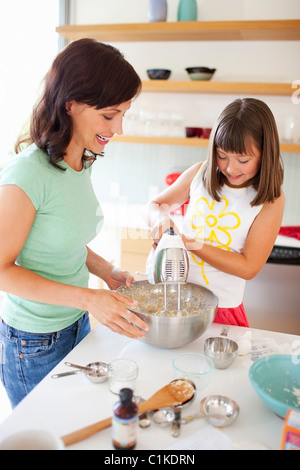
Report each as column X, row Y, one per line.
column 125, row 421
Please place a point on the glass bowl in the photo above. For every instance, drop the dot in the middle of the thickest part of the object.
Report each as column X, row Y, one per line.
column 193, row 366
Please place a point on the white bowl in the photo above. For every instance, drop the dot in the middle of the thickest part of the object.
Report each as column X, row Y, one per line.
column 32, row 439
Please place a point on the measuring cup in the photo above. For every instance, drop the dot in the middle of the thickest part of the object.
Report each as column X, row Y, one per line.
column 96, row 372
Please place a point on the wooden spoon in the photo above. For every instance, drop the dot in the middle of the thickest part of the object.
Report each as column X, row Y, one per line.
column 174, row 394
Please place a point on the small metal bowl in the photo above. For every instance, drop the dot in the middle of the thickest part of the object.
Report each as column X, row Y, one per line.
column 163, row 417
column 222, row 351
column 95, row 372
column 221, row 411
column 99, row 374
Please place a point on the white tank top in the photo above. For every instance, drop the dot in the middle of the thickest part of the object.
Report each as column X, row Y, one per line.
column 223, row 224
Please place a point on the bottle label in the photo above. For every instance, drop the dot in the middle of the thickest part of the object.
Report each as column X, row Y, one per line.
column 124, row 431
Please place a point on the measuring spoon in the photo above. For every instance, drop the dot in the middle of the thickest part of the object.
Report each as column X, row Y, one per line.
column 220, row 411
column 85, row 368
column 65, row 374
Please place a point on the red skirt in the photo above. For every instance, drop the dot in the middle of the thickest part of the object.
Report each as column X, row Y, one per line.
column 232, row 316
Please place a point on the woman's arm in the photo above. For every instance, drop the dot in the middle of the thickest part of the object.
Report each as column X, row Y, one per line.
column 258, row 246
column 17, row 215
column 113, row 276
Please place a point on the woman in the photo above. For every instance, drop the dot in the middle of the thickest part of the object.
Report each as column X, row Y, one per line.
column 49, row 212
column 235, row 205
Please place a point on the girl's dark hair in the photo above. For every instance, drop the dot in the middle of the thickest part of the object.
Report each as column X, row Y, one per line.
column 243, row 122
column 86, row 71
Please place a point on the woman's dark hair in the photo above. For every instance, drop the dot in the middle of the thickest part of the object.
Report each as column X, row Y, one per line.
column 242, row 123
column 88, row 72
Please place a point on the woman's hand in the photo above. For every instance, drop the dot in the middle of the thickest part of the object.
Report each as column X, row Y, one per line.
column 109, row 308
column 117, row 277
column 113, row 276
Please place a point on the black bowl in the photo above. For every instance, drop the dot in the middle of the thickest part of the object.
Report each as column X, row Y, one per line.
column 158, row 74
column 200, row 73
column 200, row 70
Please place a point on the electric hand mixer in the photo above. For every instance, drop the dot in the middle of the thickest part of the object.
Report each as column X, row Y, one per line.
column 169, row 263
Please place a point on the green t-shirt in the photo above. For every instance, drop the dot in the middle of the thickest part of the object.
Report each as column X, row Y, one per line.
column 68, row 217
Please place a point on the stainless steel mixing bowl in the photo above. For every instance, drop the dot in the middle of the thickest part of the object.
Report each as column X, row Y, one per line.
column 170, row 328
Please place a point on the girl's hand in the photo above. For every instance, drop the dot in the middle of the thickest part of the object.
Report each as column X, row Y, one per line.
column 191, row 244
column 158, row 230
column 109, row 308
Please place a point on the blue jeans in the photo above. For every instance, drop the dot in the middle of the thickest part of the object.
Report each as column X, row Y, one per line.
column 26, row 358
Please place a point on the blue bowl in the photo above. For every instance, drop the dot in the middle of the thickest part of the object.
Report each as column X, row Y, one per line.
column 276, row 380
column 158, row 74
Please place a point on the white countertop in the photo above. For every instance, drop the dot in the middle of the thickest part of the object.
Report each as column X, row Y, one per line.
column 67, row 404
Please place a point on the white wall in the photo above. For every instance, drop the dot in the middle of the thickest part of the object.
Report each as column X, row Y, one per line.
column 266, row 61
column 272, row 61
column 28, row 45
column 135, row 11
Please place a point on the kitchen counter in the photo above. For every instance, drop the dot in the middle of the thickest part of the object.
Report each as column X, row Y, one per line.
column 67, row 404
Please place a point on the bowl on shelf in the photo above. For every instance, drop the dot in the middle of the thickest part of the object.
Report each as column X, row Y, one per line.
column 276, row 380
column 200, row 132
column 193, row 131
column 206, row 132
column 200, row 73
column 158, row 74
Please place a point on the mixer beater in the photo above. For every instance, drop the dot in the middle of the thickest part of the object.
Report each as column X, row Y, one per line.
column 170, row 263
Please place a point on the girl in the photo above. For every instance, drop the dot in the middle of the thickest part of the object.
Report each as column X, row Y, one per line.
column 235, row 205
column 49, row 212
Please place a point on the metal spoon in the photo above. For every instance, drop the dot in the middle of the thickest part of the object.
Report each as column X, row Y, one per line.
column 190, row 418
column 65, row 374
column 177, row 422
column 217, row 420
column 87, row 369
column 144, row 421
column 95, row 372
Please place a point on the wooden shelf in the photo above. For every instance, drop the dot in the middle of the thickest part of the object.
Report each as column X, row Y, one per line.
column 270, row 30
column 263, row 30
column 243, row 88
column 290, row 148
column 187, row 142
column 196, row 30
column 161, row 140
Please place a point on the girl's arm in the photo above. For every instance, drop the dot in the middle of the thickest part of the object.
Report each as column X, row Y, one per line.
column 259, row 243
column 17, row 215
column 158, row 211
column 258, row 246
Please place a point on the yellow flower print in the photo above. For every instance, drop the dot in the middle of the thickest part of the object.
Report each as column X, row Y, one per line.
column 212, row 227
